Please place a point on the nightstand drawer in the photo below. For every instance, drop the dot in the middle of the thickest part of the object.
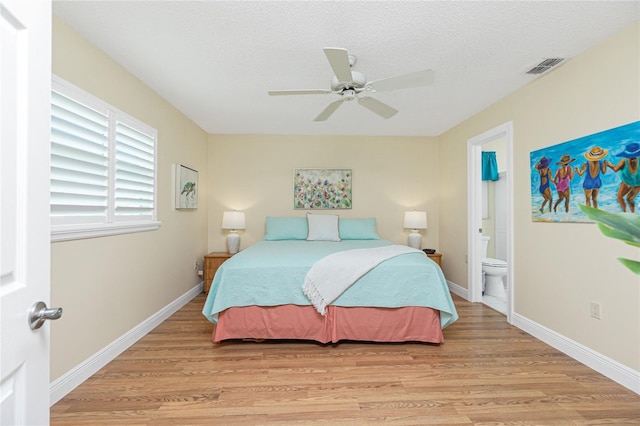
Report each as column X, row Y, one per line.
column 212, row 262
column 436, row 257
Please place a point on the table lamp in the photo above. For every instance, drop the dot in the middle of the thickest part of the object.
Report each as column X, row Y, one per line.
column 415, row 220
column 233, row 220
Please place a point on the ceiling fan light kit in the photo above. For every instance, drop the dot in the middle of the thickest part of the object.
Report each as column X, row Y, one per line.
column 358, row 81
column 350, row 85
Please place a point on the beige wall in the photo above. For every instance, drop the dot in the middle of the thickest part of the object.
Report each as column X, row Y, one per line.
column 559, row 268
column 109, row 285
column 390, row 175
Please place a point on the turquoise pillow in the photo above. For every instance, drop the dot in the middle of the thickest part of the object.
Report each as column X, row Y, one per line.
column 358, row 229
column 286, row 228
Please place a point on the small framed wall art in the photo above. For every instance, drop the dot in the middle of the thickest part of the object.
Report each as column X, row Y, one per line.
column 317, row 189
column 186, row 187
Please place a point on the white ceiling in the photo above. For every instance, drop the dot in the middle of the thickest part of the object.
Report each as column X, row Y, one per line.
column 216, row 60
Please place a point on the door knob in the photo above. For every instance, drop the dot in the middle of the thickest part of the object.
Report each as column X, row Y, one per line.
column 39, row 313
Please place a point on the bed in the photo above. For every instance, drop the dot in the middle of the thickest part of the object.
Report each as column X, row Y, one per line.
column 257, row 293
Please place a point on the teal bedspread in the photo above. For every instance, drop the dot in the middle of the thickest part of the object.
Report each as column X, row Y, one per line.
column 271, row 273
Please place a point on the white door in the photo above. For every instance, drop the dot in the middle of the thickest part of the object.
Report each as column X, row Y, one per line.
column 25, row 82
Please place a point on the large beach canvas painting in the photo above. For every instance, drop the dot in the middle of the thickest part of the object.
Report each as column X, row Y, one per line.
column 598, row 170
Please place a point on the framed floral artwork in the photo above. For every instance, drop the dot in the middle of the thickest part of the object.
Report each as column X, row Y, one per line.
column 317, row 189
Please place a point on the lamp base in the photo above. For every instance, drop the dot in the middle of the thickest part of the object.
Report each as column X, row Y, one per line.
column 233, row 242
column 415, row 239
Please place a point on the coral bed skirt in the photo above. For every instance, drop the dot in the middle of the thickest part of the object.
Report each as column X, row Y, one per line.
column 404, row 324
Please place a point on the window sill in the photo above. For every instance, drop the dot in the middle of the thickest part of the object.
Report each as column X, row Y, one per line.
column 79, row 232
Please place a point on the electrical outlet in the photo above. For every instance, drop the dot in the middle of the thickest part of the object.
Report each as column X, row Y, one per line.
column 195, row 265
column 595, row 310
column 466, row 258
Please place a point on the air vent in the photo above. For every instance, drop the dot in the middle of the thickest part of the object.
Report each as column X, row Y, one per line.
column 545, row 65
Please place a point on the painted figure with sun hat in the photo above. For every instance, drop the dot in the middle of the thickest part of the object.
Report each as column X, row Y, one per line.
column 562, row 180
column 629, row 176
column 545, row 180
column 593, row 167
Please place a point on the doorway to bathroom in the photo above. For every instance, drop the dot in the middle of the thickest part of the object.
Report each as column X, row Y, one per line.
column 494, row 232
column 490, row 214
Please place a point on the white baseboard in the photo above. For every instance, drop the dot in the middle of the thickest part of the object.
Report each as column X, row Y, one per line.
column 60, row 387
column 604, row 365
column 459, row 290
column 611, row 369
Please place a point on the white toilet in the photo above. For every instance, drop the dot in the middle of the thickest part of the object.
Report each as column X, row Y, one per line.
column 493, row 272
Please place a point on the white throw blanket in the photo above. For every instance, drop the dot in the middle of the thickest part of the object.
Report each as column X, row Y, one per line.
column 330, row 276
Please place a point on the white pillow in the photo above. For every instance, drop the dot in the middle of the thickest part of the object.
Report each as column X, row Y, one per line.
column 323, row 227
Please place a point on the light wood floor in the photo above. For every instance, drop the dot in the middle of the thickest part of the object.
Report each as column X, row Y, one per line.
column 486, row 372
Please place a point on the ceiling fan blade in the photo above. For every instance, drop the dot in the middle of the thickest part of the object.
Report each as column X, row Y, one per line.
column 299, row 92
column 380, row 108
column 407, row 81
column 339, row 61
column 330, row 109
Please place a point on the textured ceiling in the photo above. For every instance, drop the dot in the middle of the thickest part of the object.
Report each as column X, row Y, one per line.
column 216, row 60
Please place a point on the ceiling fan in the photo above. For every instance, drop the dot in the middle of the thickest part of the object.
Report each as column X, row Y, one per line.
column 352, row 85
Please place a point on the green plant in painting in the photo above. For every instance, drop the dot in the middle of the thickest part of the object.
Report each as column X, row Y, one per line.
column 621, row 226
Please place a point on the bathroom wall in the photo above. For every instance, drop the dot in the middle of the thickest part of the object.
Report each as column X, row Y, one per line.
column 500, row 214
column 489, row 220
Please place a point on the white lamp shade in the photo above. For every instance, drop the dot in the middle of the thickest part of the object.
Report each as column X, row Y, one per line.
column 233, row 220
column 415, row 220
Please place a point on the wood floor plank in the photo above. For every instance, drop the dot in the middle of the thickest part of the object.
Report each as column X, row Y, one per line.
column 485, row 373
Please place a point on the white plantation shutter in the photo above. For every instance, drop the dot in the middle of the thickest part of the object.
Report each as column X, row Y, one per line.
column 103, row 167
column 79, row 162
column 134, row 173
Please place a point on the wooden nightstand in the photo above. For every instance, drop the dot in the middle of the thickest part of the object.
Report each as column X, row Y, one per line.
column 436, row 257
column 212, row 262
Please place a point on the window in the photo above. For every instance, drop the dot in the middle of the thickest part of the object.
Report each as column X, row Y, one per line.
column 103, row 168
